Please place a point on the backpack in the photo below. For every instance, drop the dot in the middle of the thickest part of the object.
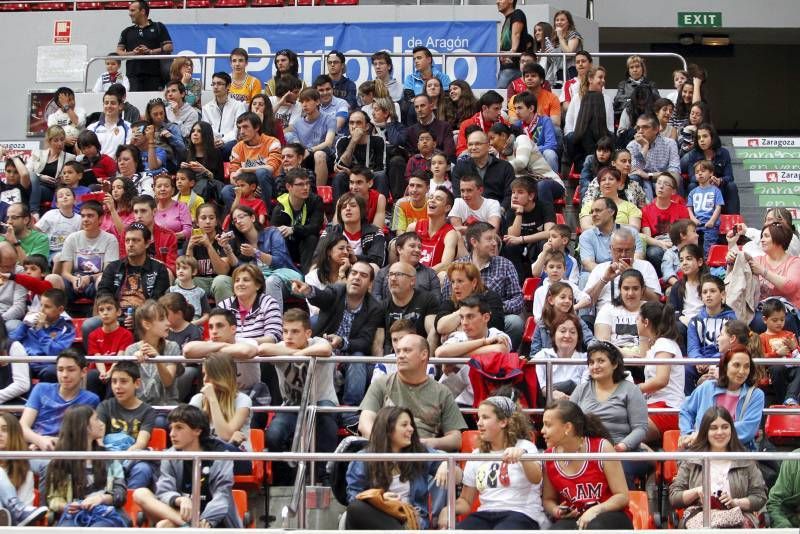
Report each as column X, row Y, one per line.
column 338, row 470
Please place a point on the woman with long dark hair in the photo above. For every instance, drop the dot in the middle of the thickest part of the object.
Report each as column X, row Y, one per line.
column 460, row 104
column 16, row 477
column 215, row 257
column 565, row 39
column 707, row 144
column 366, row 240
column 590, row 116
column 261, row 106
column 73, row 486
column 394, row 430
column 204, row 157
column 734, row 483
column 567, row 428
column 167, row 135
column 639, row 103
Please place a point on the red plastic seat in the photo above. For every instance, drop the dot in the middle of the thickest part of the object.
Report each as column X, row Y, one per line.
column 14, row 6
column 782, row 429
column 158, row 439
column 93, row 6
column 162, row 4
column 670, row 444
column 341, row 2
column 529, row 288
column 640, row 510
column 132, row 509
column 78, row 323
column 325, row 192
column 559, row 204
column 573, row 175
column 230, row 3
column 576, row 198
column 727, row 222
column 200, row 4
column 240, row 500
column 256, row 477
column 266, row 3
column 49, row 6
column 530, row 328
column 116, row 5
column 716, row 256
column 560, row 218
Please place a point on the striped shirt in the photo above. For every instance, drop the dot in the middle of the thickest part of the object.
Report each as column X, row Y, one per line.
column 264, row 319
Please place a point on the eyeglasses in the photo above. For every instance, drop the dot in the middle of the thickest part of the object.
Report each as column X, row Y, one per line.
column 399, row 274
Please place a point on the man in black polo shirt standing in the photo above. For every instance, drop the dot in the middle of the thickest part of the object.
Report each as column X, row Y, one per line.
column 144, row 38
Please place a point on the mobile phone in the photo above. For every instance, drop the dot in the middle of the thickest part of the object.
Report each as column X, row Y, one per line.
column 106, row 187
column 197, row 231
column 629, row 261
column 564, row 509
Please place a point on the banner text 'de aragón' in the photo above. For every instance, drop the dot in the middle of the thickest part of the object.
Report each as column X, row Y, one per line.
column 395, row 37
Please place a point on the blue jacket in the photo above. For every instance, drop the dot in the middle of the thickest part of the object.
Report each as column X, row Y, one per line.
column 543, row 340
column 418, row 495
column 272, row 242
column 47, row 341
column 701, row 339
column 723, row 168
column 544, row 135
column 413, row 81
column 704, row 397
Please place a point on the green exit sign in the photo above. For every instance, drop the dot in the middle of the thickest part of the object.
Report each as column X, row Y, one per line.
column 699, row 19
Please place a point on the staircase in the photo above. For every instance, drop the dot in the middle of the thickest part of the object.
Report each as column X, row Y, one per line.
column 767, row 172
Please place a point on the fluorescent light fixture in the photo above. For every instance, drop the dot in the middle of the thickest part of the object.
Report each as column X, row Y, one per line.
column 686, row 39
column 715, row 40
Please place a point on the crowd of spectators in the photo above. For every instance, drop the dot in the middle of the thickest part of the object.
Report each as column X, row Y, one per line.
column 387, row 219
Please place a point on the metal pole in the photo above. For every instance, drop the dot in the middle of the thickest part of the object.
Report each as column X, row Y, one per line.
column 451, row 494
column 196, row 481
column 706, row 492
column 549, row 390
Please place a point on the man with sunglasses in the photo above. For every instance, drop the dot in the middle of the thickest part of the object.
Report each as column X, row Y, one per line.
column 652, row 154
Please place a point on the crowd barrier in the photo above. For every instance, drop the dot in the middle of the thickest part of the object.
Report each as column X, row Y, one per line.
column 450, row 458
column 444, row 56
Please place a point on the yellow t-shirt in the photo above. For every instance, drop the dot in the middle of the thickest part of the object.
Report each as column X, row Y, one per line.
column 625, row 211
column 246, row 91
column 193, row 203
column 405, row 214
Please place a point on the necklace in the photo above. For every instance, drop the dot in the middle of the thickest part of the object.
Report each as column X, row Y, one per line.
column 564, row 464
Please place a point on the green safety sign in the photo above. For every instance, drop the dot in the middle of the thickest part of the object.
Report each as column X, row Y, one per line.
column 699, row 19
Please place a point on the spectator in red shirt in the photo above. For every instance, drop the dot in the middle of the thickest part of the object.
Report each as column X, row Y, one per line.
column 491, row 104
column 164, row 245
column 658, row 216
column 108, row 339
column 102, row 166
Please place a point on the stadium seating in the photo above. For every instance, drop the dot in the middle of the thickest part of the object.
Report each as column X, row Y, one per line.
column 640, row 510
column 240, row 500
column 158, row 439
column 783, row 429
column 727, row 222
column 716, row 256
column 529, row 287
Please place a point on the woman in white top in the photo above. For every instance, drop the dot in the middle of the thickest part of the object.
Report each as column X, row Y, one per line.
column 44, row 166
column 227, row 409
column 616, row 321
column 663, row 384
column 567, row 337
column 329, row 265
column 510, row 491
column 595, row 80
column 753, row 247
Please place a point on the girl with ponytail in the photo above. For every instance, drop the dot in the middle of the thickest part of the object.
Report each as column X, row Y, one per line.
column 663, row 384
column 567, row 429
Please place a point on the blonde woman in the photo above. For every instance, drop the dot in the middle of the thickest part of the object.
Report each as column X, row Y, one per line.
column 227, row 409
column 44, row 166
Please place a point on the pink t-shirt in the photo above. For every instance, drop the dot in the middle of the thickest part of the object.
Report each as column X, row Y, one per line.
column 789, row 270
column 729, row 401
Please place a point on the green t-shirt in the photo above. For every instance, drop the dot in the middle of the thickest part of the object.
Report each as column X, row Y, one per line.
column 35, row 242
column 435, row 411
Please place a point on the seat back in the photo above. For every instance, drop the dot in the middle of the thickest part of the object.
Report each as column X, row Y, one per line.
column 240, row 500
column 158, row 439
column 782, row 429
column 670, row 444
column 716, row 256
column 728, row 221
column 640, row 510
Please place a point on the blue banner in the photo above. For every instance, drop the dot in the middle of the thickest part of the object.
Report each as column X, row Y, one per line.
column 364, row 37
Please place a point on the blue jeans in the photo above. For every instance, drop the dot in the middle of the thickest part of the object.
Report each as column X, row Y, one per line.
column 506, row 76
column 139, row 474
column 7, row 489
column 551, row 156
column 710, row 237
column 264, row 182
column 513, row 327
column 548, row 190
column 356, row 379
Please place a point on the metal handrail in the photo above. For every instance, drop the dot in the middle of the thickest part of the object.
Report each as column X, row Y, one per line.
column 450, row 458
column 443, row 55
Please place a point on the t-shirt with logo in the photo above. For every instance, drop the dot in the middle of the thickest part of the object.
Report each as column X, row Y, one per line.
column 58, row 227
column 90, row 255
column 420, row 306
column 119, row 419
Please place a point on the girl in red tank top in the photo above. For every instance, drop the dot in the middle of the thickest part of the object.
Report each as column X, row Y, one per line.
column 584, row 494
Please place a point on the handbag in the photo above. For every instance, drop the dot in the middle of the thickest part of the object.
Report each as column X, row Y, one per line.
column 728, row 518
column 109, row 516
column 403, row 512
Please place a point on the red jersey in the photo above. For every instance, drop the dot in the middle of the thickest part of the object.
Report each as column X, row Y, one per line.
column 372, row 204
column 432, row 245
column 770, row 343
column 109, row 343
column 585, row 488
column 659, row 220
column 477, row 120
column 163, row 247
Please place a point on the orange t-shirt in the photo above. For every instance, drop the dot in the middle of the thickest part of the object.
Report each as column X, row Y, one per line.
column 547, row 105
column 771, row 342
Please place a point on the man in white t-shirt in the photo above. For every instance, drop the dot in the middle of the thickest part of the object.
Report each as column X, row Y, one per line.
column 472, row 206
column 86, row 254
column 606, row 274
column 285, row 105
column 475, row 337
column 292, row 377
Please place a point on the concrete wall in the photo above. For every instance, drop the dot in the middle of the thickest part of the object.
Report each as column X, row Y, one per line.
column 21, row 33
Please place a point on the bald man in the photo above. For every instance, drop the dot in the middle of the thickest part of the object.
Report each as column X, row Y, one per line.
column 412, row 388
column 497, row 174
column 12, row 295
column 406, row 302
